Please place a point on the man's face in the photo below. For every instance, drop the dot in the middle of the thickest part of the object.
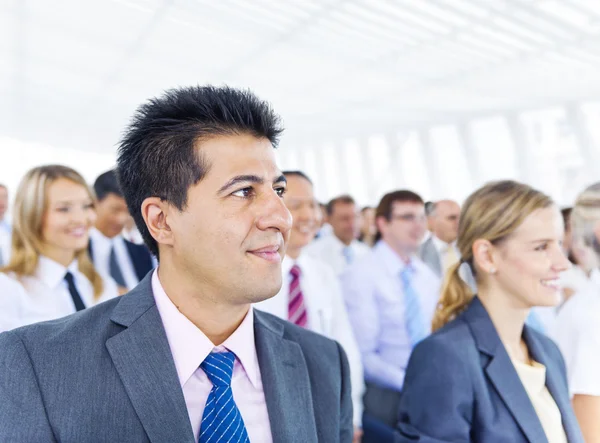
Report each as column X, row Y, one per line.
column 345, row 222
column 445, row 220
column 3, row 202
column 232, row 235
column 300, row 200
column 406, row 227
column 112, row 215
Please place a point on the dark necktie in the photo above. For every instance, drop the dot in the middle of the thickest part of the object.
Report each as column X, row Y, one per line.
column 115, row 270
column 77, row 301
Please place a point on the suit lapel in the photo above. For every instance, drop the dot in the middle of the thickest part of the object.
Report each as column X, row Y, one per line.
column 502, row 373
column 143, row 359
column 286, row 383
column 555, row 386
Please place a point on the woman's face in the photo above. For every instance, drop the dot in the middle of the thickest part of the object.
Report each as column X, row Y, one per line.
column 68, row 218
column 528, row 262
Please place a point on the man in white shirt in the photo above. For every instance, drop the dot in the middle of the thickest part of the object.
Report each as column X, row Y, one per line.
column 311, row 296
column 342, row 248
column 126, row 262
column 391, row 297
column 5, row 228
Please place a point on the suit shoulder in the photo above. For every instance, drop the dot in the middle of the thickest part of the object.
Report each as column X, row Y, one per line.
column 81, row 327
column 454, row 338
column 140, row 249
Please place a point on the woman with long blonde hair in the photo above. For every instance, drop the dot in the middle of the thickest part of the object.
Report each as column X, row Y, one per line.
column 484, row 375
column 52, row 216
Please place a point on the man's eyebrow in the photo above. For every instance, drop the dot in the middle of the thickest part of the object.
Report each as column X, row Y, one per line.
column 249, row 178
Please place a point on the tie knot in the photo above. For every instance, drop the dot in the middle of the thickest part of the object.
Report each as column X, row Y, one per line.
column 218, row 367
column 69, row 278
column 296, row 271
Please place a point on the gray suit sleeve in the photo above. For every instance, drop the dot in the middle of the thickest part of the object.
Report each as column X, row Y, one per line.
column 346, row 414
column 22, row 414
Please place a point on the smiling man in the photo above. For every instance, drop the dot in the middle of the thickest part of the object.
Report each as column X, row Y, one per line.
column 183, row 357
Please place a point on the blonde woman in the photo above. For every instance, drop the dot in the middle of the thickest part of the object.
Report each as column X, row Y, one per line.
column 578, row 322
column 484, row 376
column 52, row 216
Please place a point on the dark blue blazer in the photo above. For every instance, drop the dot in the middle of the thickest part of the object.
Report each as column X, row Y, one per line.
column 461, row 386
column 139, row 255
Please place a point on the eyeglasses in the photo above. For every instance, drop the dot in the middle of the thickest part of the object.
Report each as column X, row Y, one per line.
column 410, row 218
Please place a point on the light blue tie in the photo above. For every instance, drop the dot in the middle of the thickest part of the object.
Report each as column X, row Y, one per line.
column 348, row 254
column 221, row 421
column 413, row 317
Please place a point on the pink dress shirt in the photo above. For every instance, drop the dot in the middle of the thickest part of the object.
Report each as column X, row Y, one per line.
column 189, row 347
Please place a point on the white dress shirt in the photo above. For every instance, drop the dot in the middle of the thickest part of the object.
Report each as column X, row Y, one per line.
column 46, row 295
column 190, row 346
column 330, row 249
column 374, row 296
column 326, row 314
column 5, row 242
column 101, row 247
column 12, row 294
column 442, row 247
column 577, row 333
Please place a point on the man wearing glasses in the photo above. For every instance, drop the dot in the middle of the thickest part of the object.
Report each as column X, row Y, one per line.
column 391, row 296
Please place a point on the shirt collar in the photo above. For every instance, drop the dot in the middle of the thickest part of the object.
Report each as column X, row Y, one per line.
column 393, row 263
column 440, row 245
column 190, row 346
column 52, row 273
column 98, row 236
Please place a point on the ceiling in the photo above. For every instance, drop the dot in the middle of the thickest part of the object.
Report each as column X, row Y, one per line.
column 73, row 71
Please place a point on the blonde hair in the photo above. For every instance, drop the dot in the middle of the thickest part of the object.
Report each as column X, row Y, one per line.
column 493, row 213
column 31, row 204
column 585, row 217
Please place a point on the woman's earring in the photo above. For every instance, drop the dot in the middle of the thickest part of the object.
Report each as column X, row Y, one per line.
column 492, row 270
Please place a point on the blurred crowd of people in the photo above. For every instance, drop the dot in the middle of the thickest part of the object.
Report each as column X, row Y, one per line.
column 427, row 299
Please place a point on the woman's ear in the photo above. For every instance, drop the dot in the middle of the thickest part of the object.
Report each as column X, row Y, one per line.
column 484, row 256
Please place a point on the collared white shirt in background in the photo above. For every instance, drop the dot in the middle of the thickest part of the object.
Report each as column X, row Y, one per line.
column 12, row 295
column 374, row 296
column 577, row 333
column 330, row 249
column 190, row 346
column 326, row 314
column 47, row 296
column 101, row 247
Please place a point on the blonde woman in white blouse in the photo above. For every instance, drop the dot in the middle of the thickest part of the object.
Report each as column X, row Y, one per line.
column 54, row 210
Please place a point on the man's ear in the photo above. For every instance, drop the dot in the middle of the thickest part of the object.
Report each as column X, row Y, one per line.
column 155, row 212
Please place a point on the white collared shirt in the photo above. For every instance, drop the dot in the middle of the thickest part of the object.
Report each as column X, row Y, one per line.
column 326, row 314
column 46, row 295
column 101, row 247
column 190, row 346
column 330, row 249
column 577, row 333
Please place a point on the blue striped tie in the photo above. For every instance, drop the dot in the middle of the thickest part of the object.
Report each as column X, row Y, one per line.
column 413, row 317
column 221, row 421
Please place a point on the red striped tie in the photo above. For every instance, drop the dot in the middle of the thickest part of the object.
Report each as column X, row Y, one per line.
column 296, row 308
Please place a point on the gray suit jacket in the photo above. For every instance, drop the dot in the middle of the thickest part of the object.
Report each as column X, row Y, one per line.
column 430, row 255
column 106, row 374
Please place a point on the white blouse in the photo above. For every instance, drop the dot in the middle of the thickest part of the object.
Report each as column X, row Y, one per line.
column 45, row 295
